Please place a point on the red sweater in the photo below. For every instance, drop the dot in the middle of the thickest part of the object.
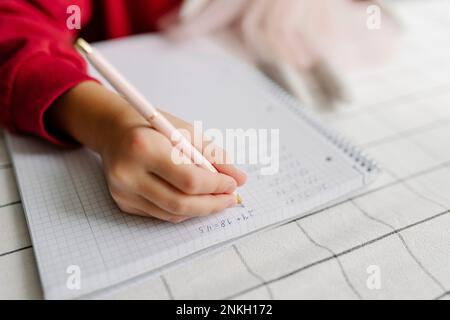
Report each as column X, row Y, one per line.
column 37, row 61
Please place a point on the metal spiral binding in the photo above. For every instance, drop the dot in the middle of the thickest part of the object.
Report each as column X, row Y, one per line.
column 364, row 161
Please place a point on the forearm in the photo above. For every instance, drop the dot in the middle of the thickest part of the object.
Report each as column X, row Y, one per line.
column 91, row 114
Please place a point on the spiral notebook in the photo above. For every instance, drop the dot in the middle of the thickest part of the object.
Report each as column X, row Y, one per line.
column 77, row 230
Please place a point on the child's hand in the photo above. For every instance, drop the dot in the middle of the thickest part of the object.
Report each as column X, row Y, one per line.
column 142, row 177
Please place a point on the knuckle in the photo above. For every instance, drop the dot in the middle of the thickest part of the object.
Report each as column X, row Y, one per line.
column 119, row 177
column 162, row 163
column 191, row 184
column 137, row 142
column 178, row 206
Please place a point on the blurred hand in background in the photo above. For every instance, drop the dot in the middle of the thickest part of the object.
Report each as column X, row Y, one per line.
column 305, row 44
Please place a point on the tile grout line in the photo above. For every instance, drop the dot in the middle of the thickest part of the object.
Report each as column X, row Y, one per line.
column 330, row 251
column 423, row 172
column 14, row 251
column 167, row 287
column 388, row 185
column 405, row 245
column 10, row 204
column 404, row 134
column 345, row 252
column 5, row 166
column 442, row 295
column 254, row 274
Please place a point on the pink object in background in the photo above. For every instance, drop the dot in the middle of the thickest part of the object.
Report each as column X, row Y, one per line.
column 299, row 30
column 301, row 36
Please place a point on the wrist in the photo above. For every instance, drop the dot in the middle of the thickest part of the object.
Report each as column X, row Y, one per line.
column 92, row 115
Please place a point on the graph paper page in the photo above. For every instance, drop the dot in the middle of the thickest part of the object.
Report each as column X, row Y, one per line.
column 74, row 222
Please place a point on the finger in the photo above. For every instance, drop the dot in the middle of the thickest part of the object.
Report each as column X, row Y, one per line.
column 238, row 175
column 194, row 180
column 223, row 164
column 148, row 209
column 217, row 156
column 138, row 205
column 179, row 171
column 166, row 217
column 170, row 199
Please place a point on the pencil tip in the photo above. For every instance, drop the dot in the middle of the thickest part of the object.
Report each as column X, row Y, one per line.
column 239, row 199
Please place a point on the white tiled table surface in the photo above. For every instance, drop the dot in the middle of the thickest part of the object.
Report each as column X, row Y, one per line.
column 401, row 225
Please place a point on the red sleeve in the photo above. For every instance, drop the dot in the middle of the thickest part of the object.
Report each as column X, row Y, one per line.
column 37, row 61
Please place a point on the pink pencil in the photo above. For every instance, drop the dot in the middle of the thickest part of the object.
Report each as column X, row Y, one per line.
column 145, row 108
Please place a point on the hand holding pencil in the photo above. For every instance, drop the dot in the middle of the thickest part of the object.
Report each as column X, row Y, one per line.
column 304, row 45
column 144, row 107
column 133, row 140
